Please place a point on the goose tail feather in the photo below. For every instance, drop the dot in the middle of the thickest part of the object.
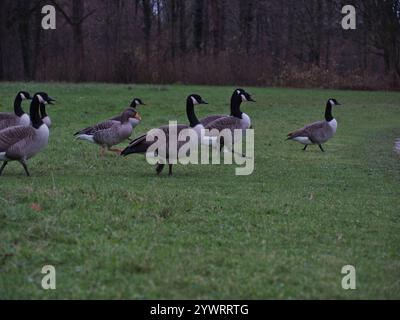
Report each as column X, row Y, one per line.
column 87, row 137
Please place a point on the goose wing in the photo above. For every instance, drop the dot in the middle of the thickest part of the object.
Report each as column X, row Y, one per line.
column 140, row 144
column 13, row 135
column 8, row 120
column 312, row 131
column 113, row 135
column 119, row 117
column 220, row 124
column 6, row 116
column 207, row 120
column 116, row 118
column 97, row 127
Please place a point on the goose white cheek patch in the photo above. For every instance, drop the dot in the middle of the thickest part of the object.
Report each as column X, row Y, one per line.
column 22, row 96
column 194, row 101
column 244, row 99
column 40, row 98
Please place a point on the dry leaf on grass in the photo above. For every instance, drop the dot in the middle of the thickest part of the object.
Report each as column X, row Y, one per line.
column 36, row 207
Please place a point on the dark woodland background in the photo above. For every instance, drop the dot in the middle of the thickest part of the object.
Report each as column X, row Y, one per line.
column 266, row 42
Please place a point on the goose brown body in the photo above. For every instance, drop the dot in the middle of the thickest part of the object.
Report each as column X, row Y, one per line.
column 23, row 142
column 20, row 143
column 238, row 120
column 111, row 132
column 317, row 132
column 113, row 135
column 142, row 143
column 19, row 117
column 207, row 120
column 109, row 123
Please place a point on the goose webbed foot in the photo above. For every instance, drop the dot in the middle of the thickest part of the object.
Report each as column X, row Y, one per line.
column 2, row 167
column 159, row 168
column 322, row 149
column 116, row 150
column 305, row 147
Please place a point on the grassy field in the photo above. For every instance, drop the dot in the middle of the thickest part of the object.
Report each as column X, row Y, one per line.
column 113, row 229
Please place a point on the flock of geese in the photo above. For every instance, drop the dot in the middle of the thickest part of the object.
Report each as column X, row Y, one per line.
column 22, row 136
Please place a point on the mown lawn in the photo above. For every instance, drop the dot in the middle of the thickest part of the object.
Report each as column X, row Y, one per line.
column 113, row 229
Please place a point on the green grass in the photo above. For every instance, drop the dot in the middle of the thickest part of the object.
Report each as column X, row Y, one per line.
column 113, row 229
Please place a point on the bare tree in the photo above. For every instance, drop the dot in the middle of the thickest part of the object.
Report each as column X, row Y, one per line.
column 76, row 20
column 263, row 42
column 382, row 21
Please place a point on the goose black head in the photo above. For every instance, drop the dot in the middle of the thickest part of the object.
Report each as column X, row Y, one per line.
column 196, row 99
column 333, row 102
column 137, row 102
column 244, row 96
column 44, row 98
column 24, row 95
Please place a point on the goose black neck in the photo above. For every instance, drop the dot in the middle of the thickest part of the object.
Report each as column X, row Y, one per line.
column 17, row 106
column 191, row 115
column 328, row 112
column 34, row 113
column 236, row 100
column 43, row 110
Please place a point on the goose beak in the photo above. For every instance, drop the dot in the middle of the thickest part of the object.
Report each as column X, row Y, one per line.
column 251, row 99
column 138, row 117
column 204, row 102
column 50, row 100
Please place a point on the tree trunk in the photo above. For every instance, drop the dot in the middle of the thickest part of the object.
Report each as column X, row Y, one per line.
column 198, row 24
column 147, row 15
column 182, row 25
column 77, row 35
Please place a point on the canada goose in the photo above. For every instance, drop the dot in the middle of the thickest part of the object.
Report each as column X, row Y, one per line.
column 317, row 132
column 140, row 145
column 20, row 143
column 236, row 96
column 112, row 132
column 134, row 104
column 19, row 117
column 237, row 119
column 107, row 123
